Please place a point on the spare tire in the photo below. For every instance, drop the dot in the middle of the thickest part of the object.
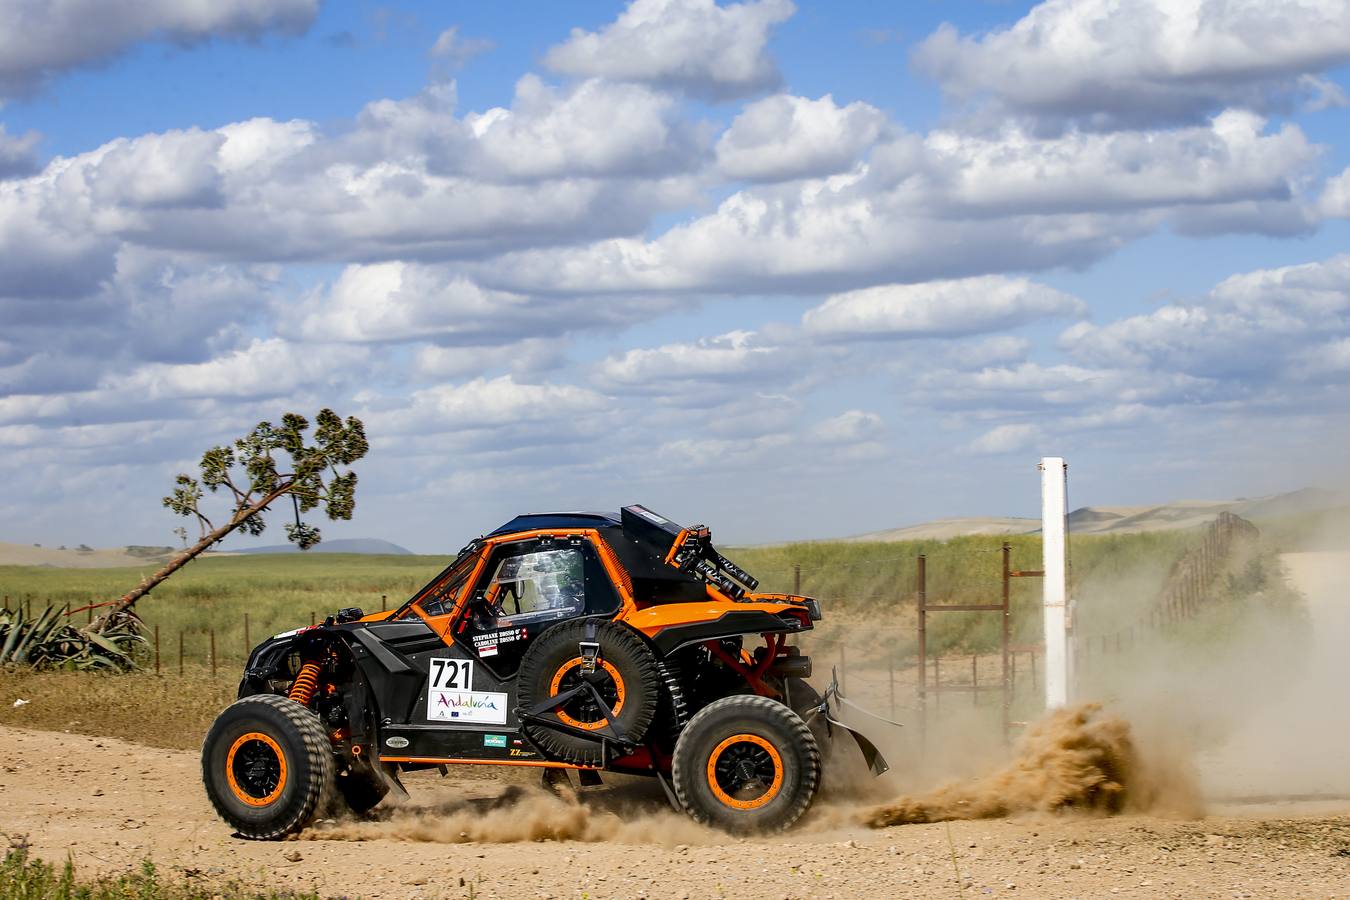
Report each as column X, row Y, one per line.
column 625, row 676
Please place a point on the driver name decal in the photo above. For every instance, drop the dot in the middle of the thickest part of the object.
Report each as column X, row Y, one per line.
column 486, row 644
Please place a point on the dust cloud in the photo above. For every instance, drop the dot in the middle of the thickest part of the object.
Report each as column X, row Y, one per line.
column 519, row 814
column 1079, row 758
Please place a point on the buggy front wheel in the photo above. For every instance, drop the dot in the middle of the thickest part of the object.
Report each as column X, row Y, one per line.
column 268, row 767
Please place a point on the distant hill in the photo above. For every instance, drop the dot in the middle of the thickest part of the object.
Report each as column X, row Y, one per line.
column 1178, row 514
column 349, row 545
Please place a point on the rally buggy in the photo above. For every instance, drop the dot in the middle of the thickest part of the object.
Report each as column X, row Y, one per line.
column 567, row 641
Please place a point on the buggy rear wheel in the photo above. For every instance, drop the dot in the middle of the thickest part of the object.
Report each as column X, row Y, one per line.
column 746, row 764
column 268, row 767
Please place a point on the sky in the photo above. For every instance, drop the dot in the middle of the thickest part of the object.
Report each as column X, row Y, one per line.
column 790, row 270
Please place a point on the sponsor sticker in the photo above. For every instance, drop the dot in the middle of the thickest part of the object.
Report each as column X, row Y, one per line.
column 483, row 707
column 494, row 740
column 488, row 651
column 397, row 742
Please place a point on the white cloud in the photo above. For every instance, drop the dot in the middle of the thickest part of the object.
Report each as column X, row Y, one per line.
column 404, row 301
column 1335, row 200
column 939, row 309
column 595, row 128
column 1150, row 61
column 456, row 51
column 1251, row 326
column 710, row 51
column 17, row 153
column 270, row 367
column 40, row 38
column 1006, row 439
column 849, row 427
column 727, row 357
column 487, row 403
column 784, row 137
column 954, row 204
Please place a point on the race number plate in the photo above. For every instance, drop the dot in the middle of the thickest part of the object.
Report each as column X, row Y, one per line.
column 451, row 697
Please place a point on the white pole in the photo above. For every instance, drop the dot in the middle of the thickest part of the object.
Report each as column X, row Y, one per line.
column 1058, row 665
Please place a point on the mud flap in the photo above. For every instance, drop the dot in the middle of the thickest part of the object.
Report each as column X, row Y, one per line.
column 871, row 755
column 389, row 775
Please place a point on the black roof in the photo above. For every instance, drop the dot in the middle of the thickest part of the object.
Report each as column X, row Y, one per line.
column 533, row 521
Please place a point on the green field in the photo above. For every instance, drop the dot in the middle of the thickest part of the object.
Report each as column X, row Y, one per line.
column 867, row 584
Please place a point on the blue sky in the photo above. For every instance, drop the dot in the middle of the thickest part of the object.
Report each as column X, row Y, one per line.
column 795, row 271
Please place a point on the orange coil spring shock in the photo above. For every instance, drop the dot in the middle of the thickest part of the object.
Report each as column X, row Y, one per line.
column 305, row 684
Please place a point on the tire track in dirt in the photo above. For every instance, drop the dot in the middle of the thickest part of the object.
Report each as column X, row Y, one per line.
column 110, row 804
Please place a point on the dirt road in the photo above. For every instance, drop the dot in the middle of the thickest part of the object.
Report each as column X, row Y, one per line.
column 111, row 804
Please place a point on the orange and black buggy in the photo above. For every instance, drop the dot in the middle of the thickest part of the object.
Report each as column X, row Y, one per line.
column 567, row 641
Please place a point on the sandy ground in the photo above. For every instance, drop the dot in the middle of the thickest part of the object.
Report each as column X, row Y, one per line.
column 111, row 804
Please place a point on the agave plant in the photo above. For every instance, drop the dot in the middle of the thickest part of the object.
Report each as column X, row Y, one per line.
column 49, row 641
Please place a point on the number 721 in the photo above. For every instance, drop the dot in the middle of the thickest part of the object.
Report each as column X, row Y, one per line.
column 452, row 674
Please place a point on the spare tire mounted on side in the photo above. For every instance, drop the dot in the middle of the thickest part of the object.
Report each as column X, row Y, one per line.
column 625, row 677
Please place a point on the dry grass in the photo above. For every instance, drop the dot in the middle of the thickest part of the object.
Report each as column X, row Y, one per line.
column 161, row 711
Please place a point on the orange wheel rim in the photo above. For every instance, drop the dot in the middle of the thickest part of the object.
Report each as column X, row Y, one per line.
column 752, row 761
column 255, row 777
column 614, row 675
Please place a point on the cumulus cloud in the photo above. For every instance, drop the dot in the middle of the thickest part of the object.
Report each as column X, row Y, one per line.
column 784, row 137
column 1158, row 61
column 403, row 301
column 1335, row 199
column 1006, row 439
column 1250, row 327
column 411, row 180
column 17, row 153
column 454, row 50
column 939, row 309
column 730, row 357
column 487, row 403
column 696, row 46
column 41, row 38
column 266, row 367
column 952, row 204
column 849, row 427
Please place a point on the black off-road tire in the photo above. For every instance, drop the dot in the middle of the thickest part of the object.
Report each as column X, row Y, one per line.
column 729, row 740
column 626, row 668
column 361, row 790
column 268, row 767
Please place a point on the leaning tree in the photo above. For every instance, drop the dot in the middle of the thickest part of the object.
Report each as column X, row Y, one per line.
column 267, row 464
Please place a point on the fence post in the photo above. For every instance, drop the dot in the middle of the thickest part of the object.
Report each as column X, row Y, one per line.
column 157, row 650
column 213, row 653
column 921, row 586
column 797, row 579
column 180, row 652
column 1006, row 637
column 974, row 679
column 311, row 618
column 384, row 603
